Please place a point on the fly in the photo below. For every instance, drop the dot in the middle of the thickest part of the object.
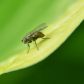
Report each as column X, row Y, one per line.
column 34, row 35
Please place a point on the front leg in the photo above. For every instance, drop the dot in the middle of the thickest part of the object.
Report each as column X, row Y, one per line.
column 28, row 45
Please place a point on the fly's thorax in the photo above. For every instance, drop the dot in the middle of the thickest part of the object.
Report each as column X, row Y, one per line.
column 34, row 35
column 28, row 36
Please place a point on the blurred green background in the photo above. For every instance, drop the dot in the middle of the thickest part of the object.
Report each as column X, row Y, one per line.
column 64, row 66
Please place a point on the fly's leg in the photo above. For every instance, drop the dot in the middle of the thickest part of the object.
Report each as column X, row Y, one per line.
column 46, row 38
column 28, row 46
column 36, row 45
column 34, row 39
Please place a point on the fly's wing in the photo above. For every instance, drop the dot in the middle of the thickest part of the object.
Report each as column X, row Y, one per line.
column 39, row 28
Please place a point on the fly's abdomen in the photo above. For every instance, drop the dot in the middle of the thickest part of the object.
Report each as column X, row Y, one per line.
column 40, row 35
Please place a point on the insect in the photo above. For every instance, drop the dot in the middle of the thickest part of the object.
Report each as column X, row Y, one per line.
column 34, row 35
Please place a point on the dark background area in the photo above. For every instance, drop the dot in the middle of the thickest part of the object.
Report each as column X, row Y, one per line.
column 64, row 66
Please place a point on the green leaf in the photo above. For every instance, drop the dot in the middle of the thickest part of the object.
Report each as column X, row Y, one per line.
column 61, row 17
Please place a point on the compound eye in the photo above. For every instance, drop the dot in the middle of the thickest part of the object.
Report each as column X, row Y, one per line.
column 25, row 40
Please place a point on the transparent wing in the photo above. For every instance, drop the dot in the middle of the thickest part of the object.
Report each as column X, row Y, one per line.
column 40, row 27
column 37, row 29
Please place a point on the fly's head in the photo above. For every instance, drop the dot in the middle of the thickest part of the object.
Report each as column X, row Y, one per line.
column 24, row 40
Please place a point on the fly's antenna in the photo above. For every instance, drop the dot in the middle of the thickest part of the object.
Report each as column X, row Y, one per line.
column 22, row 40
